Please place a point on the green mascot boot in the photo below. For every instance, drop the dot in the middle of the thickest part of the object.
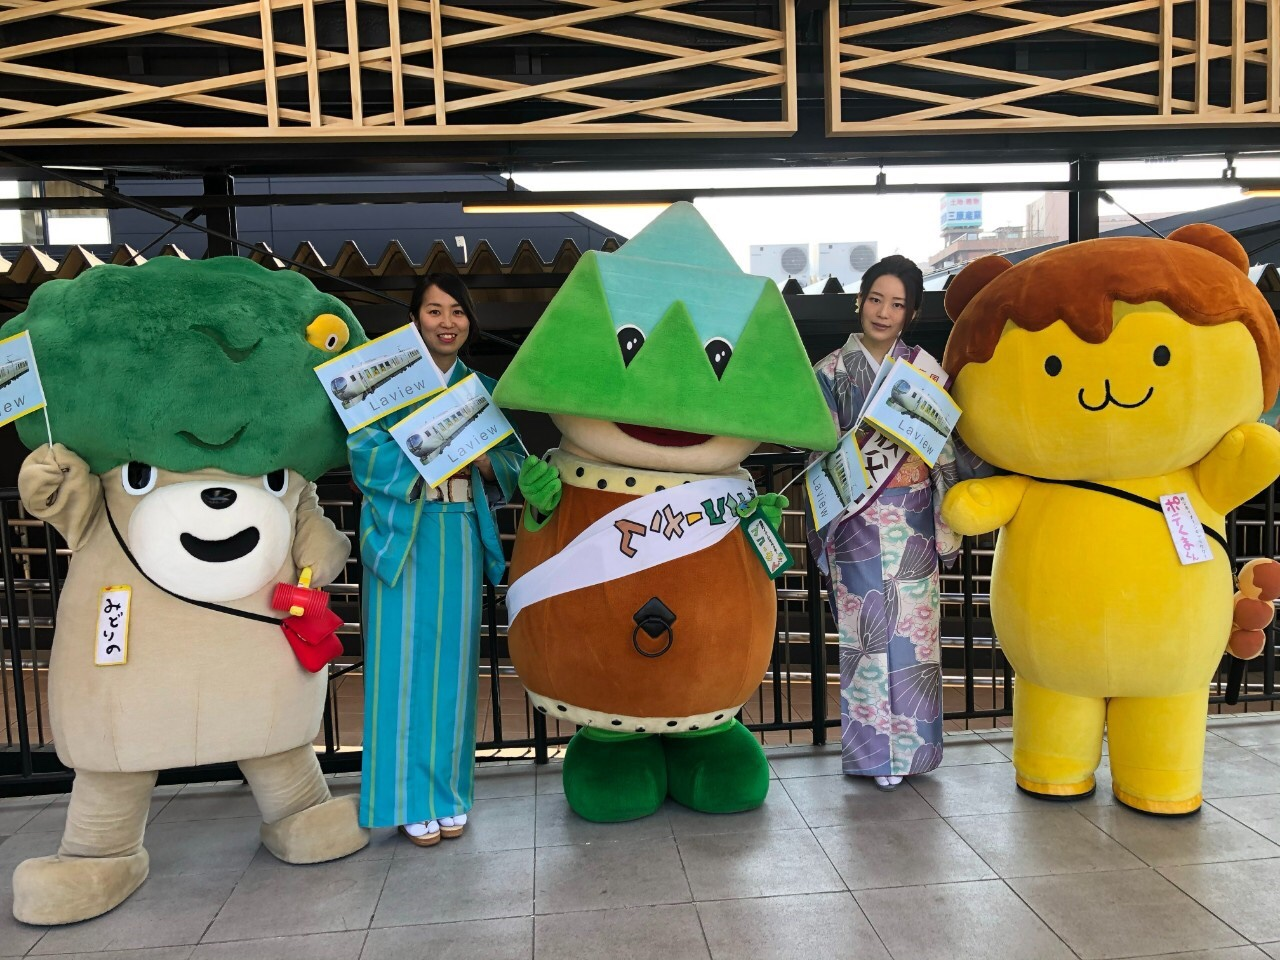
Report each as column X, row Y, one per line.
column 610, row 777
column 720, row 770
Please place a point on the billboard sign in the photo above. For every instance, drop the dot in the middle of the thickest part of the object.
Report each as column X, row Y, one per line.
column 961, row 211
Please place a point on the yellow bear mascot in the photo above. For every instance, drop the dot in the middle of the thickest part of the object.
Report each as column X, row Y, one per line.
column 1105, row 376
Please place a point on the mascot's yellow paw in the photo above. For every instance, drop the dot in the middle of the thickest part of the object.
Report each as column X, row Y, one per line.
column 967, row 508
column 980, row 506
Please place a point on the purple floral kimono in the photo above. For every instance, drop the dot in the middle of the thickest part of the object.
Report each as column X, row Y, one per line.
column 882, row 571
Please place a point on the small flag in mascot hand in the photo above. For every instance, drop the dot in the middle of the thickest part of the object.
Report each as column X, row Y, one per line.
column 448, row 432
column 20, row 389
column 380, row 377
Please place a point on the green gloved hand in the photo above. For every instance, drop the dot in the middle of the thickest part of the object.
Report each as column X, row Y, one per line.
column 770, row 504
column 539, row 483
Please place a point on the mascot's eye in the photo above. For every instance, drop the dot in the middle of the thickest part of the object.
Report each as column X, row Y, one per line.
column 1052, row 365
column 1161, row 356
column 327, row 332
column 138, row 478
column 630, row 339
column 277, row 482
column 718, row 352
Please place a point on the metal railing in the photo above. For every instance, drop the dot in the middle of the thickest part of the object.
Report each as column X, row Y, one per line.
column 797, row 700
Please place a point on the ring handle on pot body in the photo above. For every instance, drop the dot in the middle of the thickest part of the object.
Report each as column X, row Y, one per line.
column 655, row 618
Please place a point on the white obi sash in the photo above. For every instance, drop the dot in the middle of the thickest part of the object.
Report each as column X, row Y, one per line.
column 642, row 533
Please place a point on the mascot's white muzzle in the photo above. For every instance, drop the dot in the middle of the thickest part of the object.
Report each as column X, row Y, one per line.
column 210, row 540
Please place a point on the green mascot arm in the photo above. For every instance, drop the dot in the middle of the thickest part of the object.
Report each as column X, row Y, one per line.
column 539, row 483
column 1245, row 461
column 57, row 487
column 317, row 543
column 770, row 504
column 980, row 506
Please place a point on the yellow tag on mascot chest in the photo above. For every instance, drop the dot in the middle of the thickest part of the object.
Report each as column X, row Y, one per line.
column 1129, row 366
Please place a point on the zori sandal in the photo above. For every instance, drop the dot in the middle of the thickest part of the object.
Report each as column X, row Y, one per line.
column 422, row 834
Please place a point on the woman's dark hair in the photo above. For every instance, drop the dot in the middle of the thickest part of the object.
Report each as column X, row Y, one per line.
column 906, row 271
column 451, row 284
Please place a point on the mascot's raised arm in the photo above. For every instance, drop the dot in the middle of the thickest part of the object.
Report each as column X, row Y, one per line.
column 638, row 605
column 189, row 426
column 1120, row 382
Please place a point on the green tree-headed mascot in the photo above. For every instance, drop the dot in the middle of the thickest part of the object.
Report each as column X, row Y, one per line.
column 189, row 425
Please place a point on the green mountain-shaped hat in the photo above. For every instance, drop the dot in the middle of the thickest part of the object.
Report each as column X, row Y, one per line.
column 188, row 364
column 668, row 332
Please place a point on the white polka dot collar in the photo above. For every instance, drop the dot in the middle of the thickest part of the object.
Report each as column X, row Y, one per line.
column 590, row 474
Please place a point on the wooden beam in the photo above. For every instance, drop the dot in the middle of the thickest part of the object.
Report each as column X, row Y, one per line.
column 1165, row 81
column 242, row 41
column 1202, row 55
column 676, row 18
column 353, row 52
column 1044, row 25
column 599, row 38
column 1273, row 56
column 831, row 64
column 44, row 9
column 409, row 134
column 269, row 64
column 790, row 96
column 397, row 62
column 105, row 119
column 951, row 8
column 130, row 87
column 522, row 26
column 313, row 70
column 671, row 99
column 437, row 62
column 1107, row 30
column 492, row 83
column 1042, row 89
column 610, row 76
column 1237, row 55
column 960, row 68
column 138, row 28
column 932, row 96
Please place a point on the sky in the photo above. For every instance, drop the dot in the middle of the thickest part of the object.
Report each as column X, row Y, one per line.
column 903, row 223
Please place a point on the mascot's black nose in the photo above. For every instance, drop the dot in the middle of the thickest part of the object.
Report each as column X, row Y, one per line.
column 216, row 498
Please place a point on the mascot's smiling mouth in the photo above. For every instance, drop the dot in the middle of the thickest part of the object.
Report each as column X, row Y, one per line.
column 1110, row 399
column 221, row 551
column 661, row 437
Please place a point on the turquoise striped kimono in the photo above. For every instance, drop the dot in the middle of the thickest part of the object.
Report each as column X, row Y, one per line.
column 423, row 566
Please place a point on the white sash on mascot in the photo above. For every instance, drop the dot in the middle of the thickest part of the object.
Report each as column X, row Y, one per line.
column 640, row 534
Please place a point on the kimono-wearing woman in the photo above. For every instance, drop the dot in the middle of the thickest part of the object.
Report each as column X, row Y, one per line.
column 425, row 553
column 881, row 564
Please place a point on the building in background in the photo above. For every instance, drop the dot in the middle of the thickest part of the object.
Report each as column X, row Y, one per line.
column 1045, row 224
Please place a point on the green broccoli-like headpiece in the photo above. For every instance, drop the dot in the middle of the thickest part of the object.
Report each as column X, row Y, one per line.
column 188, row 364
column 669, row 332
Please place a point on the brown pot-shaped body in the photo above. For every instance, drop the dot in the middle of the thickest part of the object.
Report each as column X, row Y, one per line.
column 576, row 648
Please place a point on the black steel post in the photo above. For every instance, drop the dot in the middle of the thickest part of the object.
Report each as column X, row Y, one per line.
column 220, row 218
column 966, row 614
column 1082, row 202
column 495, row 688
column 540, row 753
column 15, row 642
column 1269, row 550
column 817, row 652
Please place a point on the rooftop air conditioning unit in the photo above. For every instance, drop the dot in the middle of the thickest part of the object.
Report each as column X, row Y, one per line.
column 781, row 261
column 847, row 262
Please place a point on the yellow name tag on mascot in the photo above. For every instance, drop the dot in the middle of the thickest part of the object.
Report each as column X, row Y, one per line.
column 1120, row 381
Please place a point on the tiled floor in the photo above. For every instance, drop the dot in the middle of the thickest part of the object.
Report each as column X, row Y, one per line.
column 956, row 864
